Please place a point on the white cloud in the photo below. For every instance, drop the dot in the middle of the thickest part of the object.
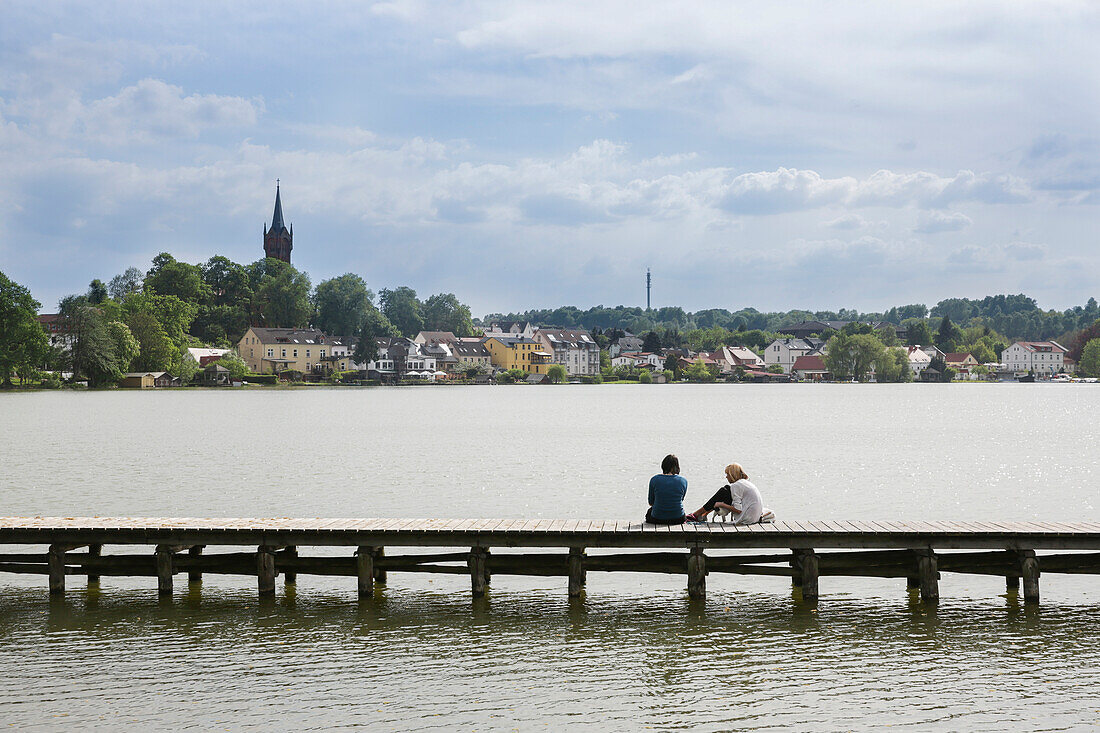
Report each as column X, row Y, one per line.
column 933, row 222
column 846, row 222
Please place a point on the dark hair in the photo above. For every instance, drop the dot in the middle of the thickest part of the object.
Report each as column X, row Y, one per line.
column 671, row 464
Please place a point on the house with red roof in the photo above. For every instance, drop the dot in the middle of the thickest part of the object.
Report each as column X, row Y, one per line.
column 811, row 368
column 1037, row 357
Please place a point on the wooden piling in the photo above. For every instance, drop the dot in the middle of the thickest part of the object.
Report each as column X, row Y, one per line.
column 56, row 563
column 1029, row 571
column 577, row 573
column 194, row 576
column 929, row 576
column 808, row 570
column 364, row 568
column 94, row 551
column 265, row 570
column 1012, row 583
column 164, row 570
column 477, row 562
column 290, row 577
column 379, row 573
column 697, row 573
column 912, row 582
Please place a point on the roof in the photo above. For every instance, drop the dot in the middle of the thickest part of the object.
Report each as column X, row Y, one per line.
column 956, row 356
column 1043, row 346
column 809, row 363
column 200, row 353
column 466, row 348
column 444, row 337
column 513, row 340
column 808, row 344
column 291, row 336
column 566, row 337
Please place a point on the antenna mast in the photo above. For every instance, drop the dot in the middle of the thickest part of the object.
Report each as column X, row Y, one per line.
column 648, row 285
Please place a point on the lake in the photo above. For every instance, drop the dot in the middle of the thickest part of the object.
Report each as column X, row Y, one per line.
column 634, row 652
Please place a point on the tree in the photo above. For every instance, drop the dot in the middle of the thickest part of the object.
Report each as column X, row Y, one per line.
column 698, row 372
column 23, row 342
column 125, row 283
column 1077, row 349
column 775, row 369
column 851, row 356
column 92, row 343
column 281, row 295
column 1090, row 358
column 402, row 309
column 920, row 334
column 444, row 312
column 170, row 277
column 948, row 336
column 97, row 292
column 652, row 343
column 157, row 352
column 125, row 345
column 945, row 374
column 556, row 373
column 672, row 364
column 893, row 366
column 644, row 377
column 605, row 360
column 342, row 305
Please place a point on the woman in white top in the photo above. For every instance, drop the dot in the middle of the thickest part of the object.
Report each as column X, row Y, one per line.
column 740, row 496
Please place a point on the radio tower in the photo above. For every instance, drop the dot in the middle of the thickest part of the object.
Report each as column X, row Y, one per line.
column 648, row 285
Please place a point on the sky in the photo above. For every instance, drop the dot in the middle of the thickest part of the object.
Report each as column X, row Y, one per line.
column 528, row 154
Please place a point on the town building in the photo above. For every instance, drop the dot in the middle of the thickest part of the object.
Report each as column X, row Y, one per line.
column 203, row 356
column 574, row 349
column 627, row 342
column 1039, row 357
column 401, row 358
column 274, row 350
column 811, row 367
column 58, row 330
column 919, row 359
column 961, row 363
column 785, row 351
column 511, row 328
column 518, row 352
column 639, row 360
column 279, row 239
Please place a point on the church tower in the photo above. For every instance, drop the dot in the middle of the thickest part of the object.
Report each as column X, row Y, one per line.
column 278, row 240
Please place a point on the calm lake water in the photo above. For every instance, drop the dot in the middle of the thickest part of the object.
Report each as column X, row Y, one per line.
column 634, row 653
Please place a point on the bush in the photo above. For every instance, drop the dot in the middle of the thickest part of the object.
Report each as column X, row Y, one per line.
column 260, row 378
column 644, row 377
column 556, row 373
column 669, row 375
column 50, row 381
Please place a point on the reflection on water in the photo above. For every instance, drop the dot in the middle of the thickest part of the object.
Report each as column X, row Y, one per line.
column 435, row 658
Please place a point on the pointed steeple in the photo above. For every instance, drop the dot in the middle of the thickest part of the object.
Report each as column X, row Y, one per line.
column 277, row 217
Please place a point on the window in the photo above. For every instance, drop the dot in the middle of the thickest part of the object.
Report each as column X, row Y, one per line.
column 284, row 353
column 322, row 353
column 295, row 353
column 271, row 352
column 307, row 353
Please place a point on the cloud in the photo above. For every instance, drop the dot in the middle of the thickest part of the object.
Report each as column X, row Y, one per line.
column 846, row 222
column 934, row 222
column 154, row 109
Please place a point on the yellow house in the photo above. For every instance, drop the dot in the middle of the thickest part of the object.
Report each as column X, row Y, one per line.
column 270, row 350
column 518, row 352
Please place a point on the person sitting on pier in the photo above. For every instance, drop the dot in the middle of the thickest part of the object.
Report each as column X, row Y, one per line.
column 739, row 497
column 666, row 494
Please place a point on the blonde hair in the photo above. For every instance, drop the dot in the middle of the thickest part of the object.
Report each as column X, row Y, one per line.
column 734, row 472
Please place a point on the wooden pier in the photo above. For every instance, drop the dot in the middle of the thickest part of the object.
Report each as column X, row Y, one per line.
column 917, row 551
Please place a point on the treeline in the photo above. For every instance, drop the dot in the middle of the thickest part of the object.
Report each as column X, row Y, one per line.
column 1018, row 317
column 146, row 320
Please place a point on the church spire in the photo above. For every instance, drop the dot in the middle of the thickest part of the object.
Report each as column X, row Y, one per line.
column 277, row 217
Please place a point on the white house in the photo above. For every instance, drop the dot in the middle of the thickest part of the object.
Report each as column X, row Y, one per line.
column 1040, row 357
column 919, row 359
column 785, row 352
column 639, row 360
column 203, row 356
column 511, row 328
column 574, row 349
column 626, row 344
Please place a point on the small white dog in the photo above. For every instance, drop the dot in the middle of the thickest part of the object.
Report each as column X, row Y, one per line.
column 721, row 512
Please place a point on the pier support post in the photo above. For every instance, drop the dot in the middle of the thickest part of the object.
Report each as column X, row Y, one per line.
column 364, row 569
column 379, row 573
column 56, row 562
column 1012, row 584
column 1029, row 571
column 577, row 573
column 265, row 570
column 697, row 573
column 94, row 551
column 164, row 570
column 478, row 561
column 290, row 577
column 796, row 570
column 912, row 582
column 194, row 576
column 929, row 576
column 808, row 572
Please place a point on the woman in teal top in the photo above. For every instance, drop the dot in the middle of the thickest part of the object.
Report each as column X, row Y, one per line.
column 666, row 494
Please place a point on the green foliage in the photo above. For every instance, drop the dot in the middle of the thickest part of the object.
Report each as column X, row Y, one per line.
column 892, row 365
column 444, row 312
column 50, row 380
column 126, row 347
column 23, row 343
column 280, row 294
column 1090, row 358
column 605, row 361
column 342, row 304
column 1081, row 339
column 945, row 374
column 157, row 352
column 652, row 342
column 669, row 375
column 851, row 356
column 644, row 377
column 511, row 376
column 948, row 336
column 167, row 276
column 402, row 309
column 97, row 292
column 698, row 372
column 557, row 373
column 919, row 333
column 125, row 283
column 93, row 347
column 234, row 364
